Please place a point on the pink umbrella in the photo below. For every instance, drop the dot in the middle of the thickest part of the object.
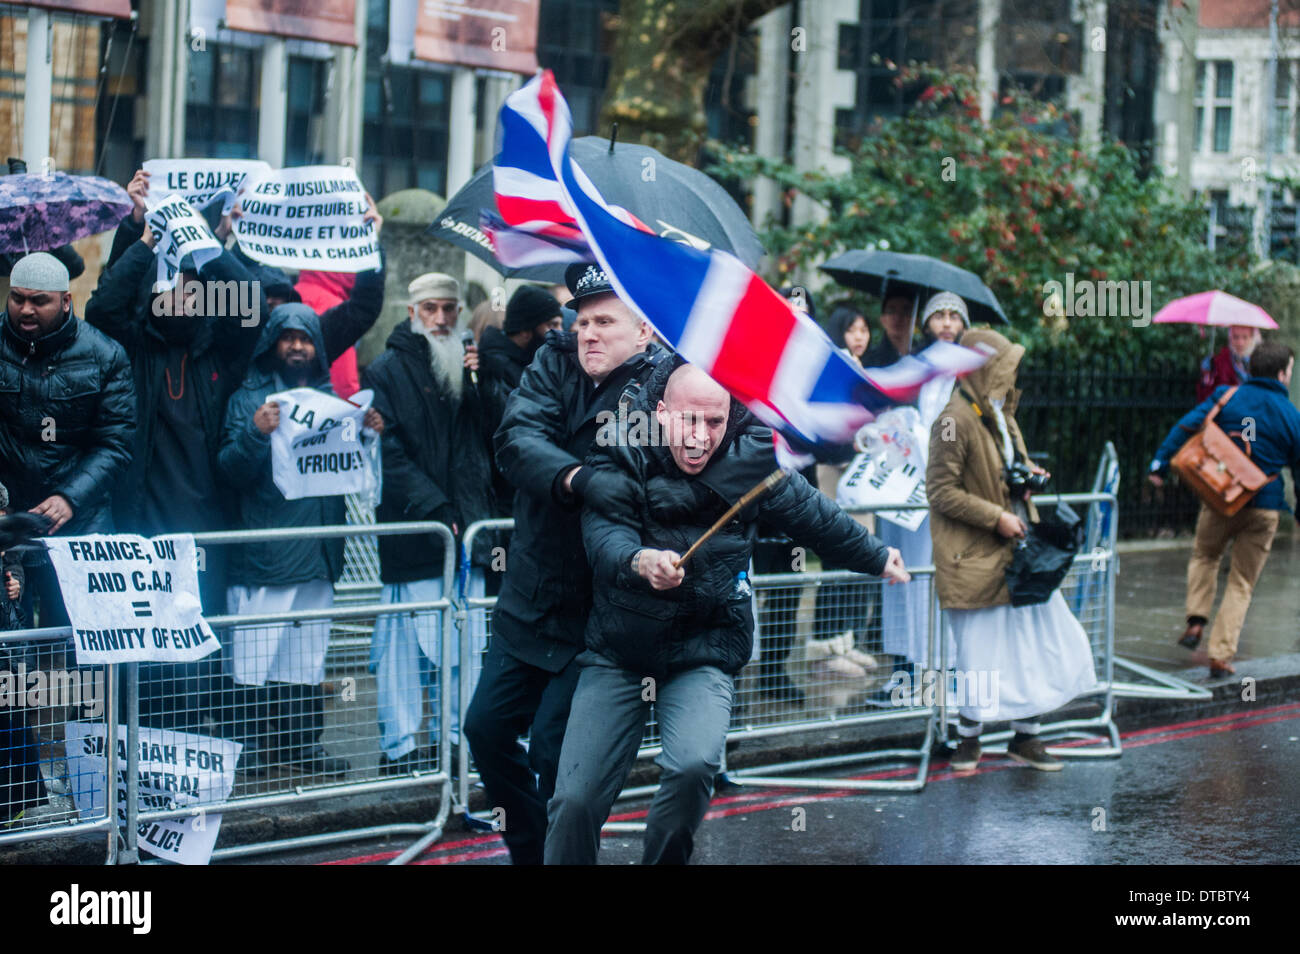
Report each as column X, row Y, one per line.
column 1214, row 308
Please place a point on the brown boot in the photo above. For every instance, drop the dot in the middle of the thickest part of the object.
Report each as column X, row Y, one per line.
column 1221, row 667
column 1191, row 637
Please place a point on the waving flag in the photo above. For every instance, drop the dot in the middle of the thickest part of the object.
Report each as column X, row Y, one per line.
column 706, row 304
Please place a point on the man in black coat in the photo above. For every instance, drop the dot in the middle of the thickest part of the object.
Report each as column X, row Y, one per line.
column 437, row 451
column 529, row 672
column 67, row 413
column 677, row 636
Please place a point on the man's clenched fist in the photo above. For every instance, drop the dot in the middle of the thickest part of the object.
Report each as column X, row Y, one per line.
column 657, row 568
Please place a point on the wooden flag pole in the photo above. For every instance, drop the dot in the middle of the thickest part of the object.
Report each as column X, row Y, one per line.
column 766, row 484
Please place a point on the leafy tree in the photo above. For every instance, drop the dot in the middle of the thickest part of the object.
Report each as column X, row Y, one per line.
column 1018, row 200
column 663, row 53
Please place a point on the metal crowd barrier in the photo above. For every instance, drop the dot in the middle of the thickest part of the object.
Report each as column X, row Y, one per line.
column 826, row 658
column 36, row 784
column 286, row 720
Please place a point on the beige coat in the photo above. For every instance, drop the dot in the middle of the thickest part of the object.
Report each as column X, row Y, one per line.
column 964, row 481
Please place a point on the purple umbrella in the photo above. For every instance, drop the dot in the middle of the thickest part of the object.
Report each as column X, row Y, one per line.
column 39, row 212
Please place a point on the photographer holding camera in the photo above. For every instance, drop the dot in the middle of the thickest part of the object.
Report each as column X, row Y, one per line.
column 979, row 479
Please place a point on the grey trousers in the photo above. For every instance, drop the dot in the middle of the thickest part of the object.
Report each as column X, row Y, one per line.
column 606, row 724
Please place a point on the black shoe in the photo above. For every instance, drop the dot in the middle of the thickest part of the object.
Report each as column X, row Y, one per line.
column 1191, row 637
column 319, row 762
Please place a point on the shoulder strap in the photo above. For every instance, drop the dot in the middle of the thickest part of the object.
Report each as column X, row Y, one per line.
column 1227, row 396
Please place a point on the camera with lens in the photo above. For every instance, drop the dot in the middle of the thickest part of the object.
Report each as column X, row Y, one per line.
column 1020, row 478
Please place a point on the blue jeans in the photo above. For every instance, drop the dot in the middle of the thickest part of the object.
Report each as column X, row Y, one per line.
column 606, row 724
column 405, row 665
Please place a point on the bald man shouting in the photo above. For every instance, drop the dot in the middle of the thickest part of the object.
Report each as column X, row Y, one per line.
column 674, row 636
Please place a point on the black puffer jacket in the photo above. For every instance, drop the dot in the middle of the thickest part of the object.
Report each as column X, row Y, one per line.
column 74, row 386
column 245, row 461
column 702, row 622
column 549, row 425
column 437, row 456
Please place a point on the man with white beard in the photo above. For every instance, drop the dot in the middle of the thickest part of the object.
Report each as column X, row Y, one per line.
column 437, row 466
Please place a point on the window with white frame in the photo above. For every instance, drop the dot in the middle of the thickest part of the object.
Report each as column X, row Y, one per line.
column 1214, row 84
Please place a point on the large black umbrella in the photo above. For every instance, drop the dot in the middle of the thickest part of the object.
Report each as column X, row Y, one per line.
column 678, row 202
column 878, row 272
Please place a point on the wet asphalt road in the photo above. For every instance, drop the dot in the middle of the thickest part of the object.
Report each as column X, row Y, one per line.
column 1219, row 790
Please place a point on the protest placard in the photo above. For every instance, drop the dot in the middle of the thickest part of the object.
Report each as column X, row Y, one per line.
column 132, row 599
column 320, row 448
column 174, row 770
column 179, row 231
column 199, row 181
column 308, row 218
column 875, row 479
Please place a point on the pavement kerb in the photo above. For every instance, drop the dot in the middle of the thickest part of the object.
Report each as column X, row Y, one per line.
column 1275, row 680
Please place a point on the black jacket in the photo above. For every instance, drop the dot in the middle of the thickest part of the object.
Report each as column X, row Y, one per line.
column 67, row 417
column 217, row 354
column 245, row 461
column 549, row 425
column 704, row 621
column 437, row 456
column 501, row 361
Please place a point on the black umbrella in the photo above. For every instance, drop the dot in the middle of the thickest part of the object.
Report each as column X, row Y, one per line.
column 877, row 272
column 678, row 202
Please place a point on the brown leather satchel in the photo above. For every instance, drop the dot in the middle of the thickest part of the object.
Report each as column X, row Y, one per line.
column 1221, row 474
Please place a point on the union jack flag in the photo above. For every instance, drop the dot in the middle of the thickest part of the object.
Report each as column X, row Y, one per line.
column 707, row 305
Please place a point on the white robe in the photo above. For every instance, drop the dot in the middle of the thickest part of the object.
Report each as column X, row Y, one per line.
column 279, row 652
column 905, row 610
column 1035, row 659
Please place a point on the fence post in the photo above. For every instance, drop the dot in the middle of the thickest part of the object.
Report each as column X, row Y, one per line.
column 130, row 854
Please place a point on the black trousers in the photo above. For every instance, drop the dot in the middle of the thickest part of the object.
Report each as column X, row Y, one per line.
column 513, row 698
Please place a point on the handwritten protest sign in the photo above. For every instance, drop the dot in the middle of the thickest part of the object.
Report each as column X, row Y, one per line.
column 320, row 448
column 199, row 181
column 890, row 469
column 175, row 770
column 308, row 218
column 132, row 599
column 179, row 231
column 872, row 480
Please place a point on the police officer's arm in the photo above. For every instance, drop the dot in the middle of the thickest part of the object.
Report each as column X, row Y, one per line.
column 809, row 517
column 114, row 307
column 529, row 442
column 108, row 449
column 943, row 481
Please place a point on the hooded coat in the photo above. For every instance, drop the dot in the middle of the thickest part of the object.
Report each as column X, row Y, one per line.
column 245, row 463
column 67, row 417
column 704, row 621
column 965, row 483
column 437, row 456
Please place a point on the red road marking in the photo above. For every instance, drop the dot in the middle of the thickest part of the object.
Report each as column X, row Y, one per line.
column 770, row 799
